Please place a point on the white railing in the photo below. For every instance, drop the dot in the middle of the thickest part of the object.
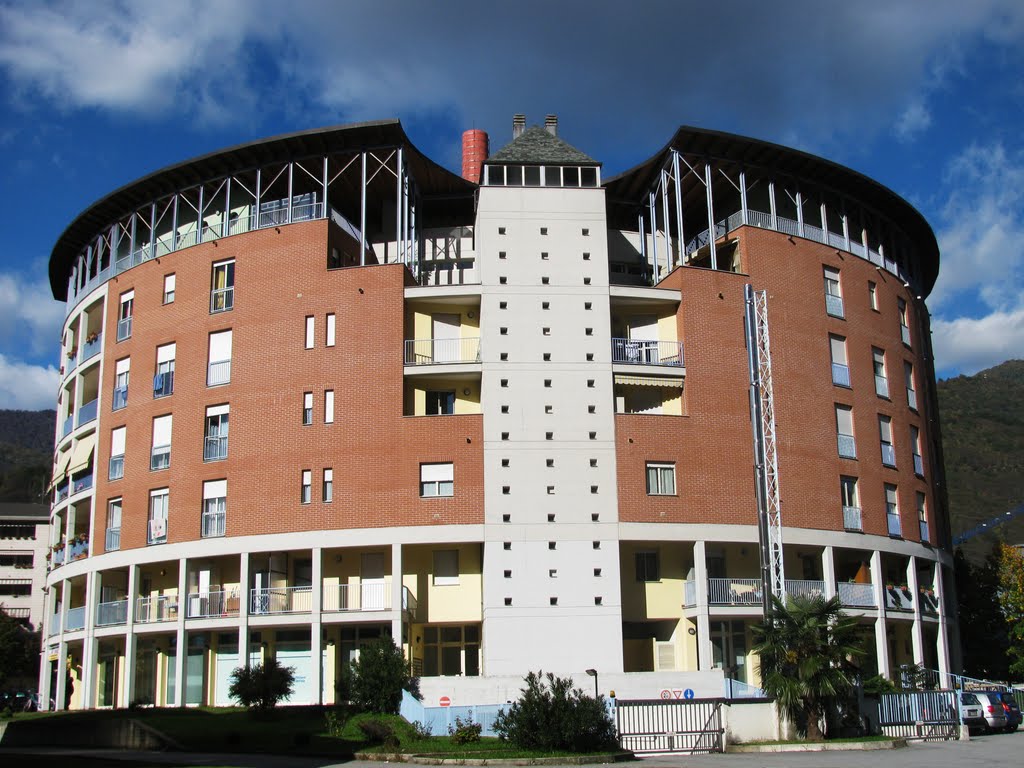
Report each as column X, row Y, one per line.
column 153, row 609
column 215, row 448
column 856, row 595
column 124, row 329
column 441, row 351
column 113, row 539
column 881, row 386
column 689, row 593
column 928, row 601
column 805, row 588
column 109, row 614
column 847, row 446
column 374, row 596
column 75, row 620
column 834, row 305
column 281, row 600
column 222, row 299
column 893, row 521
column 841, row 374
column 852, row 519
column 218, row 373
column 734, row 592
column 213, row 524
column 644, row 352
column 205, row 605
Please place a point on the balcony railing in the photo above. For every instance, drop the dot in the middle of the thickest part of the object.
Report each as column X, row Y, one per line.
column 113, row 539
column 841, row 374
column 81, row 483
column 912, row 399
column 852, row 519
column 109, row 614
column 281, row 600
column 75, row 619
column 893, row 521
column 834, row 305
column 205, row 605
column 881, row 386
column 67, row 426
column 905, row 334
column 124, row 329
column 898, row 598
column 215, row 448
column 58, row 556
column 888, row 455
column 734, row 592
column 847, row 446
column 222, row 299
column 918, row 465
column 87, row 412
column 922, row 526
column 374, row 596
column 642, row 352
column 805, row 588
column 91, row 348
column 120, row 399
column 689, row 593
column 163, row 384
column 62, row 493
column 161, row 457
column 856, row 595
column 218, row 373
column 54, row 624
column 441, row 351
column 153, row 609
column 928, row 601
column 115, row 470
column 77, row 549
column 213, row 524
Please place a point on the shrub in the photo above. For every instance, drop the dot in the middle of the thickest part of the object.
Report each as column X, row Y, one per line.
column 261, row 686
column 334, row 722
column 379, row 732
column 420, row 731
column 464, row 731
column 555, row 716
column 876, row 685
column 374, row 682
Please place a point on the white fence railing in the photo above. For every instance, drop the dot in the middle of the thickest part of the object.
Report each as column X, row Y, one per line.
column 441, row 351
column 734, row 591
column 281, row 600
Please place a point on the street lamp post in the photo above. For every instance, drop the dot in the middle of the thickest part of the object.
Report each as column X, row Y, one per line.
column 593, row 674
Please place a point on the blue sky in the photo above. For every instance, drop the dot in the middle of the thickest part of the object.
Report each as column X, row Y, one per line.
column 927, row 98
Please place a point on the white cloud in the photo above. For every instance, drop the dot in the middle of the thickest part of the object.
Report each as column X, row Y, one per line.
column 913, row 120
column 968, row 345
column 31, row 321
column 27, row 387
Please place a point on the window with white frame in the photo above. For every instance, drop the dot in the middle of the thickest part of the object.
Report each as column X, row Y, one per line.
column 222, row 287
column 833, row 293
column 446, row 567
column 117, row 440
column 437, row 480
column 915, row 447
column 121, row 371
column 169, row 281
column 328, row 494
column 310, row 331
column 328, row 406
column 885, row 438
column 218, row 369
column 215, row 433
column 330, row 329
column 844, row 432
column 158, row 508
column 124, row 315
column 661, row 478
column 881, row 378
column 160, row 457
column 163, row 382
column 307, row 408
column 840, row 365
column 215, row 504
column 647, row 566
column 113, row 532
column 908, row 381
column 892, row 511
column 307, row 486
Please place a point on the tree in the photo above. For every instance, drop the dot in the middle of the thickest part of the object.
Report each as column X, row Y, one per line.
column 983, row 630
column 806, row 647
column 261, row 686
column 1011, row 600
column 374, row 682
column 19, row 651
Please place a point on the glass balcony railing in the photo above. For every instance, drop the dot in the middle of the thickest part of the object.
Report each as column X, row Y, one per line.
column 155, row 608
column 124, row 328
column 75, row 619
column 894, row 524
column 643, row 352
column 120, row 399
column 856, row 595
column 841, row 374
column 923, row 531
column 81, row 483
column 112, row 613
column 67, row 426
column 87, row 412
column 852, row 519
column 888, row 455
column 847, row 446
column 834, row 305
column 91, row 348
column 116, row 469
column 113, row 539
column 213, row 524
column 163, row 384
column 918, row 465
column 881, row 386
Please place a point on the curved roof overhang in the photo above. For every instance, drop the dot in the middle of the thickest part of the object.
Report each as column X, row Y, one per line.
column 626, row 190
column 433, row 181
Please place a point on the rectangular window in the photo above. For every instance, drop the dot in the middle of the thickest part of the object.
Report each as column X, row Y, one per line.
column 215, row 504
column 328, row 495
column 437, row 480
column 307, row 486
column 310, row 331
column 833, row 293
column 330, row 330
column 157, row 529
column 117, row 440
column 218, row 369
column 446, row 567
column 892, row 511
column 661, row 479
column 163, row 382
column 915, row 446
column 215, row 435
column 329, row 406
column 840, row 366
column 908, row 380
column 901, row 306
column 647, row 566
column 124, row 316
column 851, row 503
column 885, row 437
column 922, row 517
column 121, row 371
column 873, row 295
column 160, row 458
column 531, row 175
column 169, row 288
column 881, row 379
column 844, row 432
column 113, row 537
column 307, row 409
column 440, row 403
column 222, row 287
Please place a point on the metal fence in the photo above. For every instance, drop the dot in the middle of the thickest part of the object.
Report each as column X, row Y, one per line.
column 920, row 715
column 691, row 726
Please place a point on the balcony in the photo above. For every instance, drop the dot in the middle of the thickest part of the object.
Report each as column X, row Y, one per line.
column 67, row 426
column 928, row 601
column 124, row 329
column 120, row 399
column 847, row 446
column 149, row 610
column 78, row 548
column 112, row 613
column 852, row 519
column 112, row 542
column 54, row 625
column 734, row 592
column 856, row 595
column 642, row 352
column 215, row 448
column 841, row 374
column 87, row 412
column 807, row 588
column 63, row 491
column 222, row 300
column 893, row 522
column 207, row 605
column 272, row 600
column 834, row 305
column 441, row 351
column 75, row 619
column 898, row 598
column 163, row 384
column 218, row 373
column 92, row 347
column 375, row 596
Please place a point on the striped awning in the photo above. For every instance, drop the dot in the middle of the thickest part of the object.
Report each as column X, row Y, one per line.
column 81, row 454
column 649, row 381
column 61, row 468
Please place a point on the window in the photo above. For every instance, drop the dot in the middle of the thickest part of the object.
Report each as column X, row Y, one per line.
column 169, row 288
column 163, row 382
column 116, row 469
column 328, row 494
column 310, row 331
column 892, row 511
column 844, row 432
column 647, row 566
column 121, row 370
column 661, row 479
column 307, row 486
column 915, row 446
column 908, row 380
column 452, row 650
column 885, row 437
column 440, row 403
column 124, row 316
column 222, row 287
column 328, row 406
column 331, row 321
column 840, row 366
column 922, row 517
column 157, row 529
column 160, row 458
column 446, row 567
column 218, row 369
column 873, row 295
column 851, row 503
column 113, row 537
column 215, row 438
column 881, row 379
column 307, row 409
column 833, row 293
column 437, row 480
column 215, row 503
column 901, row 306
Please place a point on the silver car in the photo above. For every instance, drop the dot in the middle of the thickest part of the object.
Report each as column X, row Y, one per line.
column 992, row 709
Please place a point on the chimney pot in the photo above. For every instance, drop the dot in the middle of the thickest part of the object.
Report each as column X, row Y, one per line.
column 518, row 125
column 551, row 124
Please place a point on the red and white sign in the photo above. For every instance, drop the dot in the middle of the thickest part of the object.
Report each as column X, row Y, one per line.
column 445, row 701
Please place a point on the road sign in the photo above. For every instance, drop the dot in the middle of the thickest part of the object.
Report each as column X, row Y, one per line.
column 445, row 701
column 688, row 693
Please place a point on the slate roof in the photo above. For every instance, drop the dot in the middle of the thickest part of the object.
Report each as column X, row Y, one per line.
column 536, row 145
column 19, row 510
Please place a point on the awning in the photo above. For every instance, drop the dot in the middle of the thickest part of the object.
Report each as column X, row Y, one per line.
column 81, row 454
column 649, row 381
column 61, row 468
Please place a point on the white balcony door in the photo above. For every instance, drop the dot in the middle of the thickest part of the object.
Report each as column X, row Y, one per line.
column 374, row 589
column 446, row 332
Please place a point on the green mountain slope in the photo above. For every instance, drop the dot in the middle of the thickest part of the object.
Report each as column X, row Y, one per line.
column 26, row 454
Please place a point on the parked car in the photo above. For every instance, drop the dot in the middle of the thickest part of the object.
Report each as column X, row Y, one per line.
column 19, row 700
column 995, row 715
column 972, row 712
column 1011, row 708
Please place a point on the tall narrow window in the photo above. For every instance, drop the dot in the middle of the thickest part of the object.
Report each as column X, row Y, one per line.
column 840, row 366
column 160, row 458
column 908, row 380
column 215, row 504
column 915, row 446
column 307, row 408
column 113, row 532
column 121, row 370
column 328, row 495
column 307, row 486
column 833, row 293
column 873, row 295
column 222, row 287
column 124, row 315
column 892, row 511
column 881, row 379
column 851, row 503
column 885, row 437
column 310, row 331
column 215, row 436
column 117, row 440
column 844, row 432
column 163, row 382
column 901, row 306
column 158, row 503
column 330, row 330
column 922, row 517
column 647, row 566
column 218, row 370
column 169, row 282
column 329, row 406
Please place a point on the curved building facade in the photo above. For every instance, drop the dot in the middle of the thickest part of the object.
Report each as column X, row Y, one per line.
column 318, row 390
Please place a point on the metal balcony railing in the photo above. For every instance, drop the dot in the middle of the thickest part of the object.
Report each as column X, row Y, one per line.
column 881, row 386
column 373, row 596
column 805, row 588
column 734, row 592
column 109, row 614
column 120, row 399
column 112, row 541
column 115, row 470
column 218, row 373
column 161, row 457
column 852, row 519
column 847, row 446
column 888, row 455
column 841, row 374
column 87, row 412
column 923, row 531
column 75, row 619
column 222, row 299
column 281, row 600
column 215, row 448
column 893, row 521
column 154, row 609
column 643, row 352
column 912, row 399
column 918, row 465
column 856, row 595
column 213, row 524
column 834, row 305
column 441, row 351
column 124, row 329
column 91, row 348
column 205, row 605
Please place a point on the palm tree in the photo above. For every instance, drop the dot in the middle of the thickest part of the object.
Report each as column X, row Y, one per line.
column 806, row 648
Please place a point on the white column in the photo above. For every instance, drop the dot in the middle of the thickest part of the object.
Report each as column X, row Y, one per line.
column 396, row 594
column 315, row 627
column 62, row 674
column 243, row 611
column 705, row 658
column 128, row 681
column 828, row 571
column 89, row 645
column 942, row 648
column 916, row 638
column 881, row 642
column 181, row 650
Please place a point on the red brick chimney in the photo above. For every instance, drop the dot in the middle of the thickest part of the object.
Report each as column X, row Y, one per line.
column 474, row 152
